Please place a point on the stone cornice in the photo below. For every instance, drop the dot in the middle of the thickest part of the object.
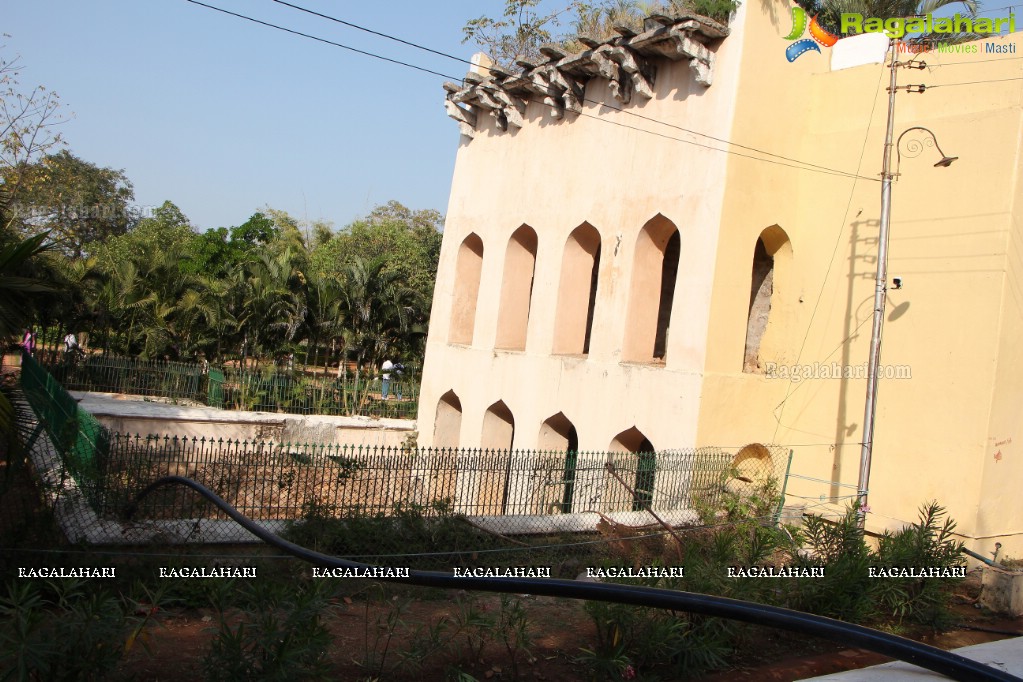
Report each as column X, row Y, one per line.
column 559, row 79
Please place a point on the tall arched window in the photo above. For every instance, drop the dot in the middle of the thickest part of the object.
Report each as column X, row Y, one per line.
column 772, row 245
column 498, row 427
column 558, row 434
column 492, row 467
column 645, row 463
column 516, row 289
column 654, row 272
column 448, row 423
column 577, row 291
column 447, row 428
column 468, row 269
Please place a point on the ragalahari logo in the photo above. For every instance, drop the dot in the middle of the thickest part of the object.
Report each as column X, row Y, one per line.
column 818, row 35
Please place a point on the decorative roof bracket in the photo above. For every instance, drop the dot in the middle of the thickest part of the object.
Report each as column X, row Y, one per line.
column 560, row 78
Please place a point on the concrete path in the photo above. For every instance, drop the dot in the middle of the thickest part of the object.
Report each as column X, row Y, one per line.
column 1005, row 655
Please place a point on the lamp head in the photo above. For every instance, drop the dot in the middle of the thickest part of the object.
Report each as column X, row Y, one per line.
column 945, row 162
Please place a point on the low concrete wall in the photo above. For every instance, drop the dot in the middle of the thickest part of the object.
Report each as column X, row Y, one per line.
column 136, row 415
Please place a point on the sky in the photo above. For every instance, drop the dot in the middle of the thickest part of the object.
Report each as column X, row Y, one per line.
column 223, row 116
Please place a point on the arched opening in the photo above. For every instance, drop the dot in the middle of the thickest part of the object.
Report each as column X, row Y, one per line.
column 498, row 427
column 654, row 273
column 516, row 290
column 577, row 292
column 763, row 283
column 494, row 467
column 447, row 427
column 447, row 424
column 558, row 434
column 468, row 270
column 645, row 463
column 752, row 472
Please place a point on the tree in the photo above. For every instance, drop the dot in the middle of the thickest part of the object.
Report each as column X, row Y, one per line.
column 166, row 229
column 378, row 309
column 79, row 203
column 518, row 34
column 408, row 242
column 258, row 230
column 27, row 130
column 521, row 31
column 17, row 289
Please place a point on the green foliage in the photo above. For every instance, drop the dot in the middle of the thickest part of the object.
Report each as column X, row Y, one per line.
column 28, row 122
column 412, row 529
column 523, row 29
column 79, row 203
column 721, row 10
column 519, row 32
column 847, row 592
column 927, row 543
column 656, row 642
column 653, row 642
column 844, row 591
column 280, row 635
column 67, row 630
column 20, row 290
column 257, row 292
column 514, row 631
column 165, row 230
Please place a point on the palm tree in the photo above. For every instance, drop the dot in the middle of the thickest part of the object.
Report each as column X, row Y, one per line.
column 275, row 302
column 324, row 320
column 379, row 309
column 18, row 292
column 18, row 288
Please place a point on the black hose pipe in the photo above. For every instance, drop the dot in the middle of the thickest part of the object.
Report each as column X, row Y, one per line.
column 946, row 663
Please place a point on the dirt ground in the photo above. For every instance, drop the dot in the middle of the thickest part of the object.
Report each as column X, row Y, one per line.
column 560, row 628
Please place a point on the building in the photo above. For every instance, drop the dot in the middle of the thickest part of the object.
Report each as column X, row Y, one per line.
column 670, row 241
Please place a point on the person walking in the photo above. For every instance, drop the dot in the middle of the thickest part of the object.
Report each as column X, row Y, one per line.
column 399, row 379
column 385, row 378
column 28, row 341
column 71, row 343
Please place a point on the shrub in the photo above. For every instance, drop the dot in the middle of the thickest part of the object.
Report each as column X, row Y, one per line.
column 279, row 635
column 67, row 630
column 927, row 544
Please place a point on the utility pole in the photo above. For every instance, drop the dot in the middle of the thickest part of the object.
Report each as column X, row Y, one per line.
column 880, row 291
column 881, row 278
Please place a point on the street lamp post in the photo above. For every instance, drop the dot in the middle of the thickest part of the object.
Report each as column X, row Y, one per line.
column 881, row 279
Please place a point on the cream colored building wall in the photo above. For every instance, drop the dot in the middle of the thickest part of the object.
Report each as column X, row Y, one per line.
column 553, row 176
column 949, row 235
column 999, row 511
column 954, row 240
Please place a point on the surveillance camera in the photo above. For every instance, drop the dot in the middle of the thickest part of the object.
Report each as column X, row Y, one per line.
column 896, row 282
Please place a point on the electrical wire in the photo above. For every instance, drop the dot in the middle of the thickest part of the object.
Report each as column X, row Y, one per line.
column 795, row 163
column 321, row 40
column 584, row 99
column 831, row 262
column 590, row 101
column 993, row 80
column 977, row 61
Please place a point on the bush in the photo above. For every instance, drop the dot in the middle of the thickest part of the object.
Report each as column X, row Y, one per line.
column 280, row 635
column 928, row 544
column 67, row 630
column 409, row 531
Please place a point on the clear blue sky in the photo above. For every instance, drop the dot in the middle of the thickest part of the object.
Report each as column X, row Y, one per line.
column 223, row 116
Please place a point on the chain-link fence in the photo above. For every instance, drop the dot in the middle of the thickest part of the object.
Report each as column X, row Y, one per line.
column 378, row 502
column 274, row 389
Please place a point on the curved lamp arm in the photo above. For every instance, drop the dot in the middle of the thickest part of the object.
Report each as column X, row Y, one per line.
column 917, row 147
